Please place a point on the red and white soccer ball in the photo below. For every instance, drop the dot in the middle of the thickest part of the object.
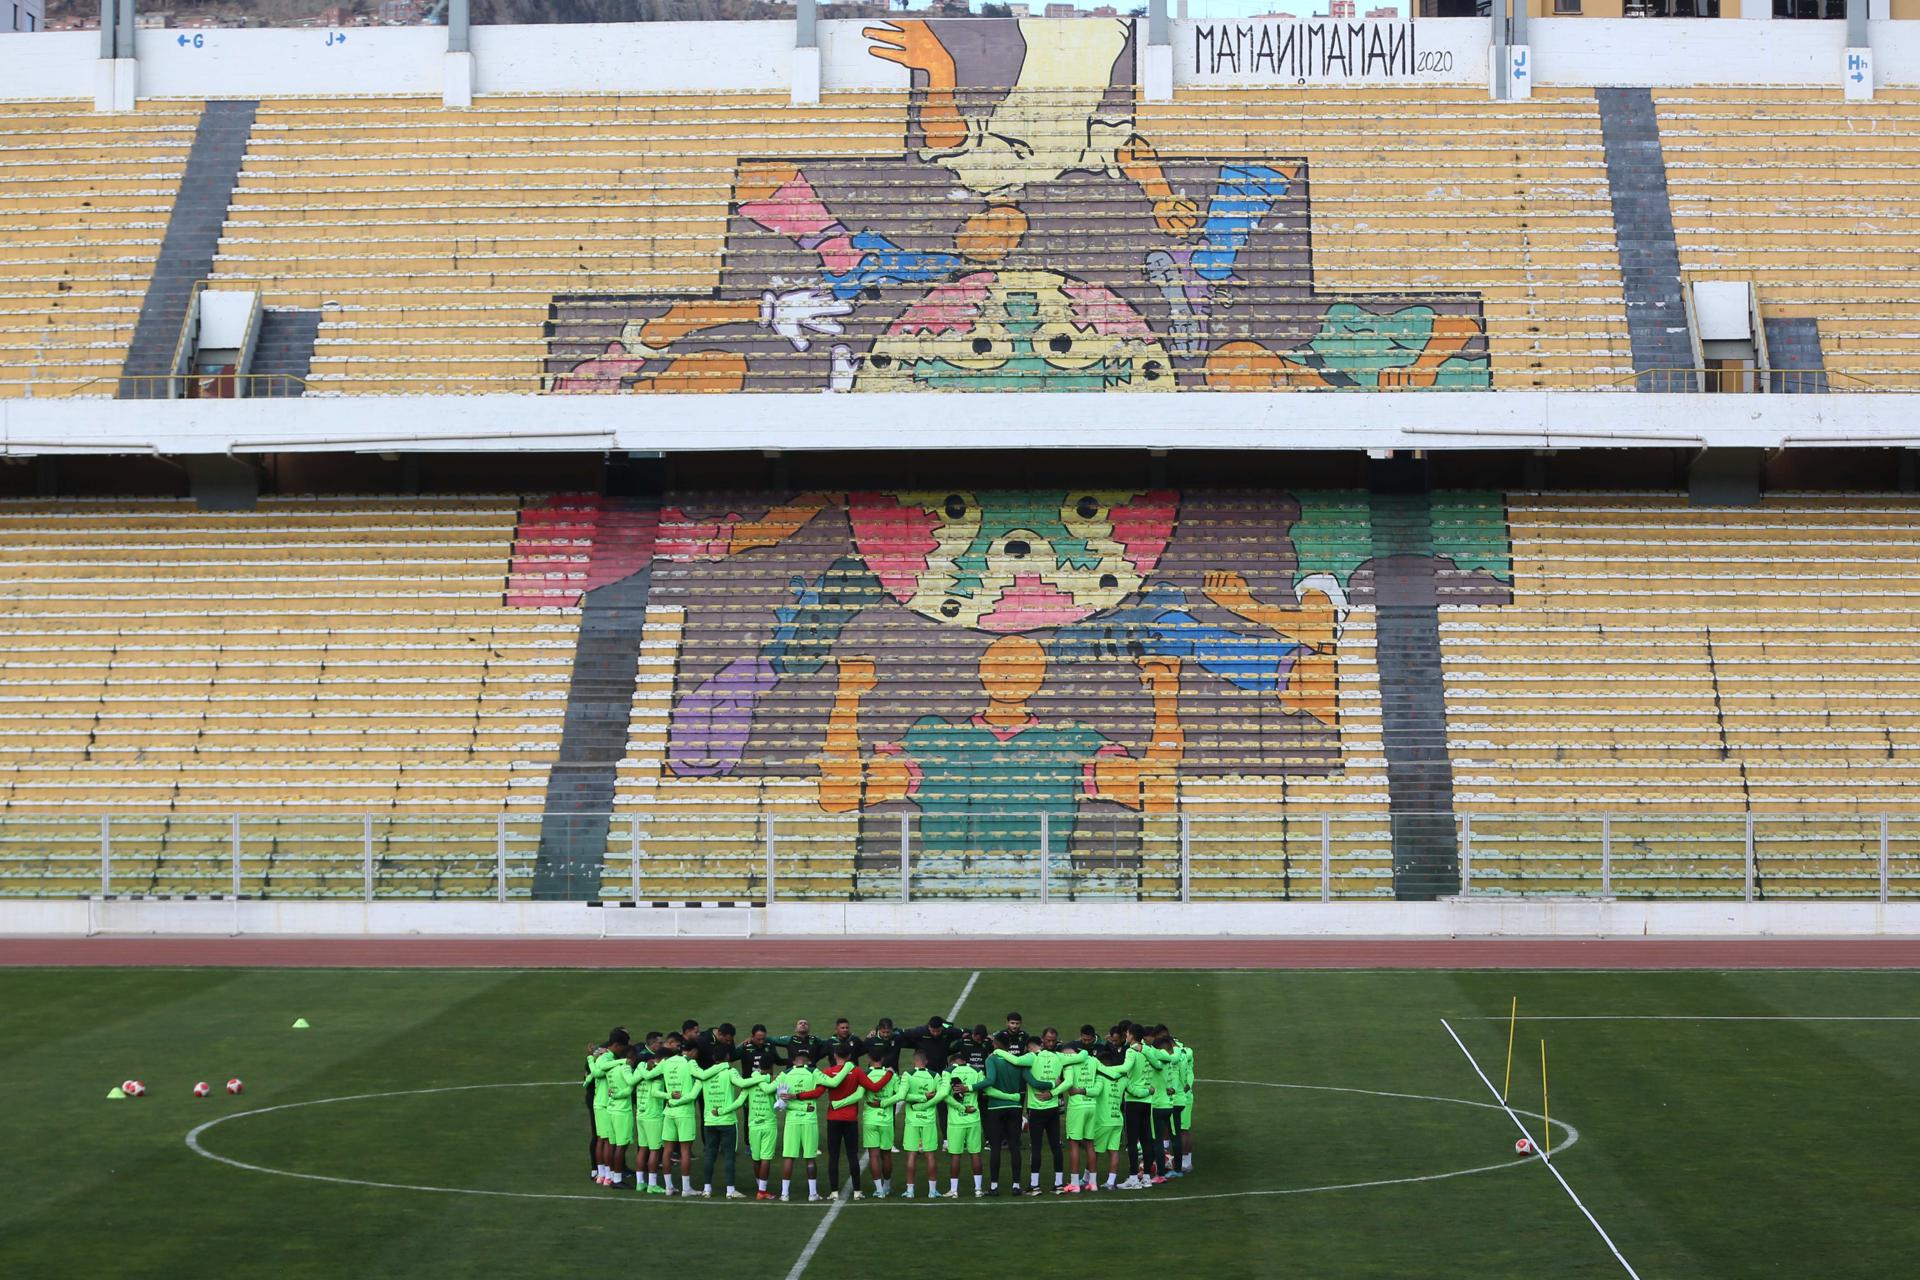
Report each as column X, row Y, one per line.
column 1525, row 1147
column 202, row 1089
column 234, row 1085
column 132, row 1088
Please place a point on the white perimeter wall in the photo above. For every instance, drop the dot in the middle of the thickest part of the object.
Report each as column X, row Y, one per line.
column 289, row 63
column 713, row 56
column 639, row 57
column 1482, row 919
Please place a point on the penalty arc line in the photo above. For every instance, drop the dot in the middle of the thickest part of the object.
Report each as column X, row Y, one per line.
column 1545, row 1159
column 833, row 1210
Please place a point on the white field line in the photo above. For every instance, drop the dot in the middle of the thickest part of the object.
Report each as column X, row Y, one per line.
column 1543, row 1157
column 833, row 1210
column 1705, row 1017
column 1572, row 1135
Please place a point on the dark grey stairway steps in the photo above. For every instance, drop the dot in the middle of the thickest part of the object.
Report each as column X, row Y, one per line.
column 188, row 247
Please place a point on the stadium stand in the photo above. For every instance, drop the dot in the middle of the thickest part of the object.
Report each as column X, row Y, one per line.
column 1832, row 243
column 1442, row 189
column 317, row 679
column 84, row 201
column 171, row 668
column 1688, row 671
column 732, row 690
column 460, row 227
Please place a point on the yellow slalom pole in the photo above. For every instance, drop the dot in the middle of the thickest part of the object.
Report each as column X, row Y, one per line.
column 1512, row 1018
column 1546, row 1113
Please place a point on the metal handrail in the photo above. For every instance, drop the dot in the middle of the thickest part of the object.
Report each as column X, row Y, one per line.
column 1186, row 856
column 149, row 379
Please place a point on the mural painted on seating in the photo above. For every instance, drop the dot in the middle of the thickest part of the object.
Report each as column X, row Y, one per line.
column 986, row 660
column 1029, row 237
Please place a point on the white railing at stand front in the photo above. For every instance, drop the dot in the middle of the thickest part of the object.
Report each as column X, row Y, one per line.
column 903, row 856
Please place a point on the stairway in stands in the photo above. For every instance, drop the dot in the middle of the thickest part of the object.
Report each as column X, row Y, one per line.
column 284, row 354
column 597, row 553
column 1426, row 854
column 186, row 252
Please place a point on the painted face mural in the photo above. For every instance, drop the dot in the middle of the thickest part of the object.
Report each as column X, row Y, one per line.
column 1018, row 331
column 1027, row 237
column 1011, row 561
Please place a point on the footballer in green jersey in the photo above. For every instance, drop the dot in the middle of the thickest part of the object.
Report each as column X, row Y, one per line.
column 649, row 1124
column 1110, row 1120
column 1045, row 1108
column 962, row 1100
column 1184, row 1053
column 682, row 1126
column 621, row 1078
column 1077, row 1082
column 800, row 1090
column 599, row 1063
column 1164, row 1068
column 719, row 1124
column 876, row 1126
column 921, row 1090
column 758, row 1096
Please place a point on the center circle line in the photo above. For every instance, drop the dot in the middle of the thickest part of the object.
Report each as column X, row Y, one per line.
column 198, row 1148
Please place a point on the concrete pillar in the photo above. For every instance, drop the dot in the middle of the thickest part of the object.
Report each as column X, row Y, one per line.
column 1156, row 60
column 222, row 483
column 1497, row 49
column 1857, row 68
column 806, row 53
column 115, row 81
column 1725, row 478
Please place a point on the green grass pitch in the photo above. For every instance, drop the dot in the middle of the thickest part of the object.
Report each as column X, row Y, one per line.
column 1725, row 1148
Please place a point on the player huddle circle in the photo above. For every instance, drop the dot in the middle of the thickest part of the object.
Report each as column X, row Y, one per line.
column 1125, row 1100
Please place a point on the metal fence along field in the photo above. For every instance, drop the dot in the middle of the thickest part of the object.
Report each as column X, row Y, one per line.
column 758, row 858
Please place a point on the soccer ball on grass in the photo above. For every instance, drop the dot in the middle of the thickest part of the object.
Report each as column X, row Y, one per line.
column 202, row 1089
column 234, row 1085
column 1525, row 1147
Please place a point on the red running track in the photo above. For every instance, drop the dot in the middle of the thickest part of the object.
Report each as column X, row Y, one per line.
column 966, row 953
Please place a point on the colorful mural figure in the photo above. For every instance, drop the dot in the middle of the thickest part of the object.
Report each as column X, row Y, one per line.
column 1028, row 237
column 946, row 766
column 998, row 563
column 986, row 664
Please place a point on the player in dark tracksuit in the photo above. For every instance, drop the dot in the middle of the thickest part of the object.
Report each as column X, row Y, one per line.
column 1005, row 1090
column 803, row 1038
column 843, row 1041
column 714, row 1045
column 974, row 1048
column 757, row 1053
column 937, row 1040
column 882, row 1048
